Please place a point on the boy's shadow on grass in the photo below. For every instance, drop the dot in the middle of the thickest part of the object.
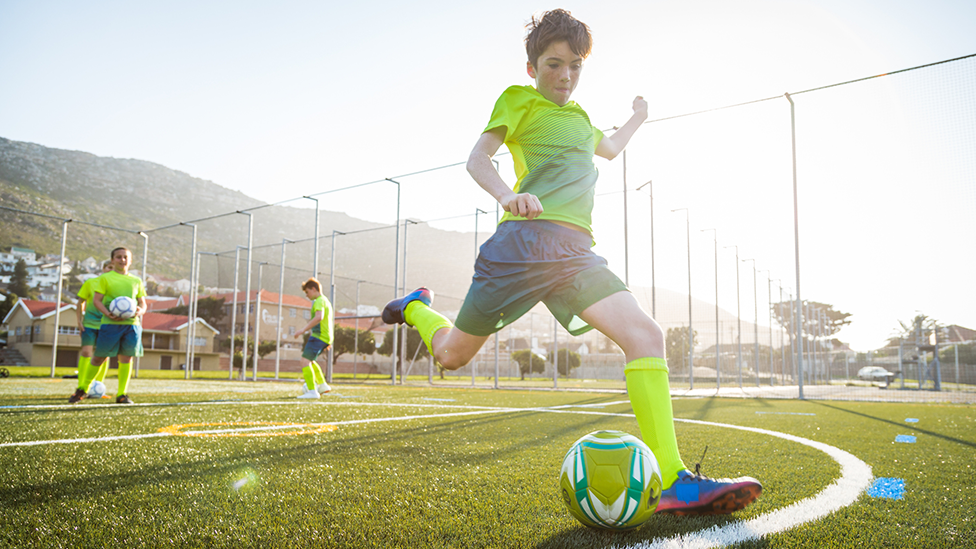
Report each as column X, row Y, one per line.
column 658, row 527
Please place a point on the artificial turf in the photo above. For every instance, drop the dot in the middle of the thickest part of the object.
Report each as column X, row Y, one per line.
column 487, row 479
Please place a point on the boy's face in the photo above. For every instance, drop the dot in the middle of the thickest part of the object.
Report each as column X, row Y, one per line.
column 557, row 72
column 121, row 260
column 311, row 293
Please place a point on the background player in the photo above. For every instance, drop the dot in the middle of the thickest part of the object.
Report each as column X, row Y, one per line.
column 541, row 252
column 89, row 321
column 121, row 337
column 320, row 330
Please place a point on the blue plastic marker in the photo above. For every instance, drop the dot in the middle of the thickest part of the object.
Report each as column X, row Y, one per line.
column 911, row 420
column 888, row 488
column 905, row 438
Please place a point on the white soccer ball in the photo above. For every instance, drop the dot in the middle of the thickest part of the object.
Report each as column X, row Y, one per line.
column 123, row 307
column 96, row 390
column 610, row 480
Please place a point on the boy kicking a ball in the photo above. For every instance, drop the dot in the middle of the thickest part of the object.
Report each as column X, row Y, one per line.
column 541, row 251
column 320, row 330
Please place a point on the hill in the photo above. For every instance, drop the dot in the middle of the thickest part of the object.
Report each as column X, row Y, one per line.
column 110, row 200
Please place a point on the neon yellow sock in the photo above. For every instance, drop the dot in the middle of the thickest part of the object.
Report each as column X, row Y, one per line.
column 309, row 377
column 426, row 320
column 317, row 371
column 650, row 397
column 84, row 376
column 102, row 371
column 125, row 370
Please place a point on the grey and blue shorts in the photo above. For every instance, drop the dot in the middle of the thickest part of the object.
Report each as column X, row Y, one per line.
column 526, row 262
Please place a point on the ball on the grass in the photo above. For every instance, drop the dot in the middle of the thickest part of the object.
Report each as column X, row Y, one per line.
column 123, row 307
column 610, row 480
column 96, row 390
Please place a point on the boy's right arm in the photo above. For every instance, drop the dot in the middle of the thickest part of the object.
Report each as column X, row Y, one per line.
column 483, row 171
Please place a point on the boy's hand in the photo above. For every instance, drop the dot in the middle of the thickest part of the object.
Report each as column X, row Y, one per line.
column 522, row 205
column 640, row 106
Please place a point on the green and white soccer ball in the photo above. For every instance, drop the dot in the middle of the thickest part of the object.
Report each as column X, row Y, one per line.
column 610, row 480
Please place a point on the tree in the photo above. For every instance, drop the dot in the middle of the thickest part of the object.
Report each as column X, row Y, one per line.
column 415, row 344
column 19, row 281
column 529, row 362
column 785, row 315
column 7, row 304
column 265, row 348
column 344, row 342
column 676, row 346
column 565, row 365
column 210, row 309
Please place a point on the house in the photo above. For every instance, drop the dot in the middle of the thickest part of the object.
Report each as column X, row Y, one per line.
column 30, row 326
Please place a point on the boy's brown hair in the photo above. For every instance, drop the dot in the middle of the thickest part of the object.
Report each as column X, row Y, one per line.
column 553, row 26
column 312, row 283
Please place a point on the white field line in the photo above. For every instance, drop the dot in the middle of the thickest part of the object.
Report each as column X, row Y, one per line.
column 855, row 476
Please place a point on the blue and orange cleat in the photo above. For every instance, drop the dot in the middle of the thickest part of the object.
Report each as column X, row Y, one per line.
column 695, row 494
column 394, row 310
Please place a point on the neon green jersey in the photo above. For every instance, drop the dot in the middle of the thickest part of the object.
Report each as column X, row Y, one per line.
column 323, row 330
column 112, row 285
column 553, row 150
column 93, row 317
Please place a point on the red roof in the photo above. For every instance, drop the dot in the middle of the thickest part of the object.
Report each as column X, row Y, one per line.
column 40, row 308
column 161, row 322
column 266, row 297
column 162, row 304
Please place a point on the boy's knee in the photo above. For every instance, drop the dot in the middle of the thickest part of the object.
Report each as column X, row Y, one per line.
column 453, row 361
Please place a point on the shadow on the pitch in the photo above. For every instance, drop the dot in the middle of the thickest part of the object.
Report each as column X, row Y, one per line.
column 913, row 427
column 658, row 527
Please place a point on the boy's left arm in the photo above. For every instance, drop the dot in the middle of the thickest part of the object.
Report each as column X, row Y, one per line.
column 610, row 147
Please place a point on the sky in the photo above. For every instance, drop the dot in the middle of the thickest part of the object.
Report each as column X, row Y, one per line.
column 292, row 98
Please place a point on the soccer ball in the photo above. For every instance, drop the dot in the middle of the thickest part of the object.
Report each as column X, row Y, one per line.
column 123, row 307
column 610, row 480
column 96, row 389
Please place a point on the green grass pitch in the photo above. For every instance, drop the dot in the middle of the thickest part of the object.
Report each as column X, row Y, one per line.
column 382, row 466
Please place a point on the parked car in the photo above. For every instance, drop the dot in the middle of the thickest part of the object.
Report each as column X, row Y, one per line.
column 876, row 373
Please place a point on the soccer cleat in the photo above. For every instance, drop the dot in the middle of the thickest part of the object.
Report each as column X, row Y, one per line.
column 323, row 388
column 123, row 399
column 394, row 310
column 79, row 395
column 311, row 393
column 695, row 494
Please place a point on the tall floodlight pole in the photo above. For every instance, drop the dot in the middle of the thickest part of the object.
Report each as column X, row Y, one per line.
column 718, row 338
column 796, row 246
column 233, row 311
column 57, row 304
column 145, row 263
column 626, row 246
column 190, row 319
column 332, row 286
column 281, row 299
column 396, row 279
column 247, row 289
column 476, row 212
column 474, row 363
column 355, row 345
column 650, row 191
column 315, row 250
column 755, row 325
column 691, row 331
column 193, row 307
column 769, row 304
column 403, row 342
column 257, row 321
column 738, row 315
